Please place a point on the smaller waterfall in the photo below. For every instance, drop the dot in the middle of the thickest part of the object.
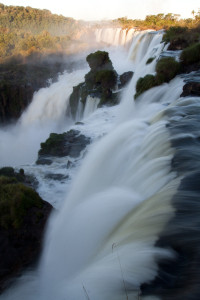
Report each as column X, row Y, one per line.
column 90, row 106
column 20, row 143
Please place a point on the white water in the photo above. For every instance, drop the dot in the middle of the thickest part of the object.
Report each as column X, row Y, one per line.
column 100, row 246
column 113, row 36
column 90, row 106
column 19, row 144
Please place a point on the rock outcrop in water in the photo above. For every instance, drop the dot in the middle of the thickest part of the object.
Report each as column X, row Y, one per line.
column 23, row 216
column 69, row 143
column 99, row 82
column 191, row 89
column 125, row 78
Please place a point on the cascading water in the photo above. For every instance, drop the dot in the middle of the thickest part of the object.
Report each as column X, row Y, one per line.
column 108, row 238
column 19, row 144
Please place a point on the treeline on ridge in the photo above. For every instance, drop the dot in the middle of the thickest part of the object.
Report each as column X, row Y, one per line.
column 24, row 30
column 159, row 21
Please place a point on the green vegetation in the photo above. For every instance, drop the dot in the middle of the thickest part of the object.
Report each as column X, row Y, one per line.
column 53, row 144
column 99, row 60
column 167, row 68
column 106, row 78
column 25, row 30
column 144, row 84
column 35, row 20
column 181, row 37
column 150, row 60
column 191, row 54
column 15, row 200
column 10, row 172
column 159, row 21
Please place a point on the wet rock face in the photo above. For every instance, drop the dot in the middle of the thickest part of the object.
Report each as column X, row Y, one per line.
column 191, row 89
column 23, row 216
column 69, row 143
column 125, row 78
column 20, row 79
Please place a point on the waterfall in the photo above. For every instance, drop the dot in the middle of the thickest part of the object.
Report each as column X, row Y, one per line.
column 90, row 106
column 114, row 36
column 19, row 144
column 127, row 208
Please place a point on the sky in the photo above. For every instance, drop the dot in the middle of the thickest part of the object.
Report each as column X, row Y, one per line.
column 111, row 9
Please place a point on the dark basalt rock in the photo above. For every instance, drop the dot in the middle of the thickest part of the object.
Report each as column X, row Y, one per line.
column 191, row 89
column 44, row 161
column 125, row 78
column 58, row 177
column 69, row 143
column 23, row 216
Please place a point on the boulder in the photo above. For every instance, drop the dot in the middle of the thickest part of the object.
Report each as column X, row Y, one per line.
column 125, row 78
column 191, row 89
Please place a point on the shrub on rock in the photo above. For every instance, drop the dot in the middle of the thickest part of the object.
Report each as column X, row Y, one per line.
column 150, row 60
column 167, row 68
column 99, row 60
column 144, row 84
column 107, row 79
column 180, row 37
column 191, row 54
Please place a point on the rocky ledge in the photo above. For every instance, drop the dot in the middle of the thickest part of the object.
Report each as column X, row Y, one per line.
column 23, row 216
column 191, row 89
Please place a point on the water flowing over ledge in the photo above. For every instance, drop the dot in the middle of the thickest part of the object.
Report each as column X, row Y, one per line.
column 133, row 203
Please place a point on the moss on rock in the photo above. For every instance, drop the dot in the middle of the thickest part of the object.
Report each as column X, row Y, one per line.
column 99, row 60
column 53, row 145
column 167, row 68
column 191, row 54
column 15, row 200
column 144, row 84
column 69, row 143
column 150, row 60
column 107, row 79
